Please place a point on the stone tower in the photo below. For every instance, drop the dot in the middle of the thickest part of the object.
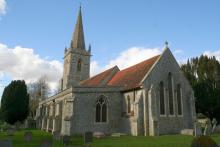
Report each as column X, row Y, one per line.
column 76, row 58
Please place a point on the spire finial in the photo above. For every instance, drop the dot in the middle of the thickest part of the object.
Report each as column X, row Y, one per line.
column 166, row 44
column 80, row 6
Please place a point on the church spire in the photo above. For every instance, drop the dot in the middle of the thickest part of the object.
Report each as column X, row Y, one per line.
column 78, row 36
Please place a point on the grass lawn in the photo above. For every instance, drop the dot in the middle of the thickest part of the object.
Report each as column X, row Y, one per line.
column 125, row 141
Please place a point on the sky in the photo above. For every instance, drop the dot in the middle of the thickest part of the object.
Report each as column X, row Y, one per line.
column 34, row 33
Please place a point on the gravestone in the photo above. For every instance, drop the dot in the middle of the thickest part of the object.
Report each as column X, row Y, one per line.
column 66, row 140
column 10, row 132
column 56, row 135
column 98, row 134
column 5, row 143
column 116, row 135
column 88, row 137
column 197, row 130
column 187, row 132
column 28, row 136
column 214, row 123
column 46, row 143
column 208, row 128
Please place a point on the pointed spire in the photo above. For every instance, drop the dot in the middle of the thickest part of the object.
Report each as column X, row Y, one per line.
column 78, row 36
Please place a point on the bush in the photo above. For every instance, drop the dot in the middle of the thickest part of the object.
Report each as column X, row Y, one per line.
column 204, row 141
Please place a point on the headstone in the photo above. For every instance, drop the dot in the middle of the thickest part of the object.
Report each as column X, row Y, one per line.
column 217, row 129
column 198, row 130
column 208, row 128
column 5, row 143
column 17, row 125
column 56, row 135
column 46, row 143
column 28, row 136
column 98, row 134
column 10, row 132
column 116, row 135
column 214, row 123
column 187, row 132
column 88, row 137
column 66, row 140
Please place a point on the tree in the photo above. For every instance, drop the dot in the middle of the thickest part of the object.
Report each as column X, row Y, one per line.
column 15, row 102
column 203, row 74
column 38, row 91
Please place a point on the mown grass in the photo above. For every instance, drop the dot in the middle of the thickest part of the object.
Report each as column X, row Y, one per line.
column 124, row 141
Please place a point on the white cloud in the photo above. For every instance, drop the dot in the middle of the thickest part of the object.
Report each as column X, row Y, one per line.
column 95, row 68
column 213, row 53
column 23, row 63
column 178, row 51
column 2, row 7
column 127, row 58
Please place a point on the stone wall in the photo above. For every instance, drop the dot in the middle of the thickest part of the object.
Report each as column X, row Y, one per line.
column 84, row 110
column 171, row 124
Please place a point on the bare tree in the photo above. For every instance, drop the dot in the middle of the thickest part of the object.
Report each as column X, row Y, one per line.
column 38, row 91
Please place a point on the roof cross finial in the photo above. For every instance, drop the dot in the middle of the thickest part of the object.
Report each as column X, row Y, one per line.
column 166, row 44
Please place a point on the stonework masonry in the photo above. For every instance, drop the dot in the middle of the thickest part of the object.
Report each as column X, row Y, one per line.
column 130, row 104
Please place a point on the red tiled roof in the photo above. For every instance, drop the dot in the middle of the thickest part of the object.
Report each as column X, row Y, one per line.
column 98, row 79
column 132, row 76
column 128, row 78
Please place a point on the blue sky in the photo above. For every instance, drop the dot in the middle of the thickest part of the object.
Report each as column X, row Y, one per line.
column 111, row 26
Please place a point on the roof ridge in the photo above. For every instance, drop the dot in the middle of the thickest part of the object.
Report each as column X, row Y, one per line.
column 141, row 62
column 97, row 75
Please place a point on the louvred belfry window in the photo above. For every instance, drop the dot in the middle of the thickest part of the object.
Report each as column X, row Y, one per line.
column 79, row 65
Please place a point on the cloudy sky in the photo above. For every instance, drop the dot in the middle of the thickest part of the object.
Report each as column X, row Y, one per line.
column 34, row 33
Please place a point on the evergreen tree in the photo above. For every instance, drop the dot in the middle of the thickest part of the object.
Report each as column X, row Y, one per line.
column 15, row 102
column 204, row 75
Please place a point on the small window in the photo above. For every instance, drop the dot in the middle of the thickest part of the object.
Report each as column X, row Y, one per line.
column 162, row 101
column 79, row 65
column 129, row 104
column 179, row 100
column 101, row 110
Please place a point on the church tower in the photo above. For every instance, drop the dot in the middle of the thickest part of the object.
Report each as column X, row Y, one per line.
column 76, row 58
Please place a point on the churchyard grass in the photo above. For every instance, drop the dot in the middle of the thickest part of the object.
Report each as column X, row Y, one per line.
column 124, row 141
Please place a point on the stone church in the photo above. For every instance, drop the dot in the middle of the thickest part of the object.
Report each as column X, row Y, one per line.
column 150, row 98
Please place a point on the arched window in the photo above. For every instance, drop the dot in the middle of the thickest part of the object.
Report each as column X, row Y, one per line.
column 179, row 99
column 101, row 110
column 170, row 91
column 129, row 104
column 79, row 65
column 162, row 101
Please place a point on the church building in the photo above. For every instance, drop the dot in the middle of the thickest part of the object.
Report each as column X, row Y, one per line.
column 150, row 98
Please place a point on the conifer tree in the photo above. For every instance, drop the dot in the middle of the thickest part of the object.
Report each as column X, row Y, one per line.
column 204, row 75
column 15, row 102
